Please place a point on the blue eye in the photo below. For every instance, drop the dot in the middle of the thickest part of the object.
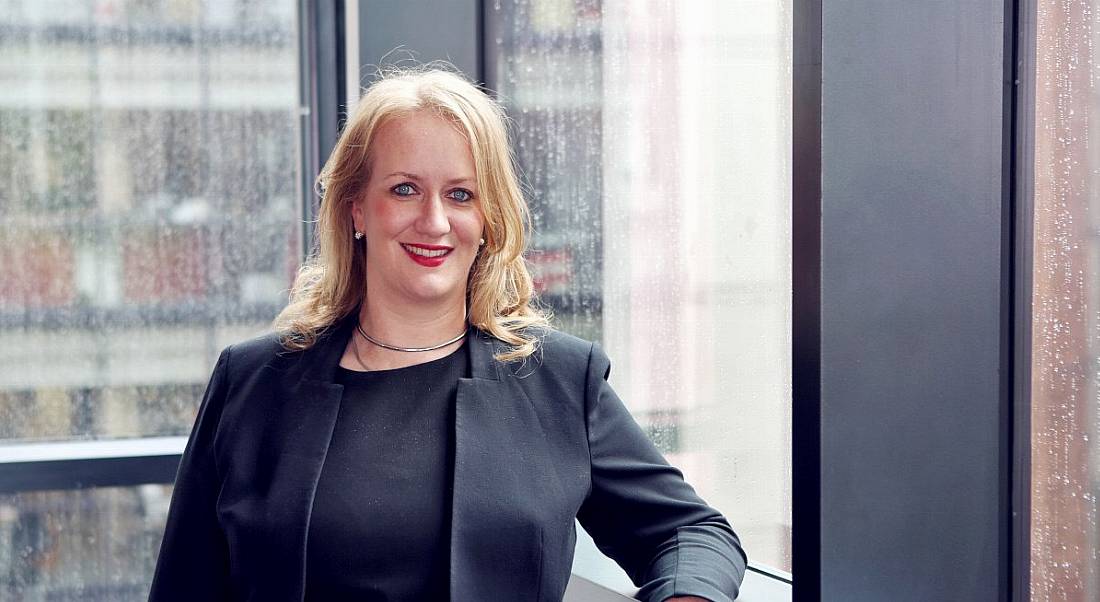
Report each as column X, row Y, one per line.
column 462, row 195
column 403, row 190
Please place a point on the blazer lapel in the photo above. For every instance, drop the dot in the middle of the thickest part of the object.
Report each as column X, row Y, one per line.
column 495, row 546
column 310, row 403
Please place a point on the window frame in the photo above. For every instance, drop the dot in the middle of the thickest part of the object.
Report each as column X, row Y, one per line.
column 1022, row 73
column 806, row 73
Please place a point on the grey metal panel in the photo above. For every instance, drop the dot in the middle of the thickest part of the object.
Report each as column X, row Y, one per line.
column 424, row 30
column 912, row 504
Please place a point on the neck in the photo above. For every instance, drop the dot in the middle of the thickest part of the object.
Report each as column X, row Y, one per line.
column 407, row 326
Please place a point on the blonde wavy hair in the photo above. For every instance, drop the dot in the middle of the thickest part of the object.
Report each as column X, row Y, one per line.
column 499, row 293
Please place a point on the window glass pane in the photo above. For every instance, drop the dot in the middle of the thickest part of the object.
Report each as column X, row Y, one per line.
column 90, row 544
column 655, row 137
column 1065, row 372
column 149, row 193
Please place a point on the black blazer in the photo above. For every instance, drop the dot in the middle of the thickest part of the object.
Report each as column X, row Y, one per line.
column 537, row 444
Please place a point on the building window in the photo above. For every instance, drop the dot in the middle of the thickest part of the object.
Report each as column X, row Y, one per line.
column 149, row 192
column 655, row 140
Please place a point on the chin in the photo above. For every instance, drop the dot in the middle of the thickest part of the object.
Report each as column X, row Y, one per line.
column 435, row 294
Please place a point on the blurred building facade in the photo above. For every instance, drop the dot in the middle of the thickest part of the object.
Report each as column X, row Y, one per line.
column 149, row 166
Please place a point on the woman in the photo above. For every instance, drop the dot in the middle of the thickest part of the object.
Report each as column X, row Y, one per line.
column 414, row 429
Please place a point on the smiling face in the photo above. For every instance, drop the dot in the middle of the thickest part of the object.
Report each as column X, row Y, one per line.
column 420, row 212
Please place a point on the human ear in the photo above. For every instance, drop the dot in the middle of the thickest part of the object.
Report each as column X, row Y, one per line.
column 358, row 216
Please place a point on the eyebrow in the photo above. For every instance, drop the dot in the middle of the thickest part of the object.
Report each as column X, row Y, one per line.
column 412, row 176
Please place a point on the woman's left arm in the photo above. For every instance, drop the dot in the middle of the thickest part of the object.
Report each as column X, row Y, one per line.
column 642, row 513
column 193, row 563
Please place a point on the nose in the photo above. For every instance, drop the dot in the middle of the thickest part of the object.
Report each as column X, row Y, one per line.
column 433, row 219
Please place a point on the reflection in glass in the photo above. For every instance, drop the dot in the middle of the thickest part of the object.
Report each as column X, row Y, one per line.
column 655, row 138
column 89, row 544
column 149, row 194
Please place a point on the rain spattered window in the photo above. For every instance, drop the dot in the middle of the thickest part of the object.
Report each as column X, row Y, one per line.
column 1065, row 337
column 149, row 193
column 655, row 139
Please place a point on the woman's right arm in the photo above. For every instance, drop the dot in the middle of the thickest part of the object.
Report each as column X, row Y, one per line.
column 194, row 556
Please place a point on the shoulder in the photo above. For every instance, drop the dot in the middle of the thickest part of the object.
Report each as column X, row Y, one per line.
column 559, row 355
column 250, row 355
column 560, row 344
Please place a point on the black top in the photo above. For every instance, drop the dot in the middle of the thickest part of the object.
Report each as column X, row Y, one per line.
column 381, row 519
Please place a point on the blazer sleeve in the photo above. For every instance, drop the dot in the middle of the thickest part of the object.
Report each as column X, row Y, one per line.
column 642, row 513
column 194, row 556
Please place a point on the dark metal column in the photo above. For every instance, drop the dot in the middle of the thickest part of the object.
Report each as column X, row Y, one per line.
column 419, row 31
column 322, row 94
column 915, row 385
column 806, row 300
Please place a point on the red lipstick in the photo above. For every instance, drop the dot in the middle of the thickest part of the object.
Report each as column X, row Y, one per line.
column 435, row 260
